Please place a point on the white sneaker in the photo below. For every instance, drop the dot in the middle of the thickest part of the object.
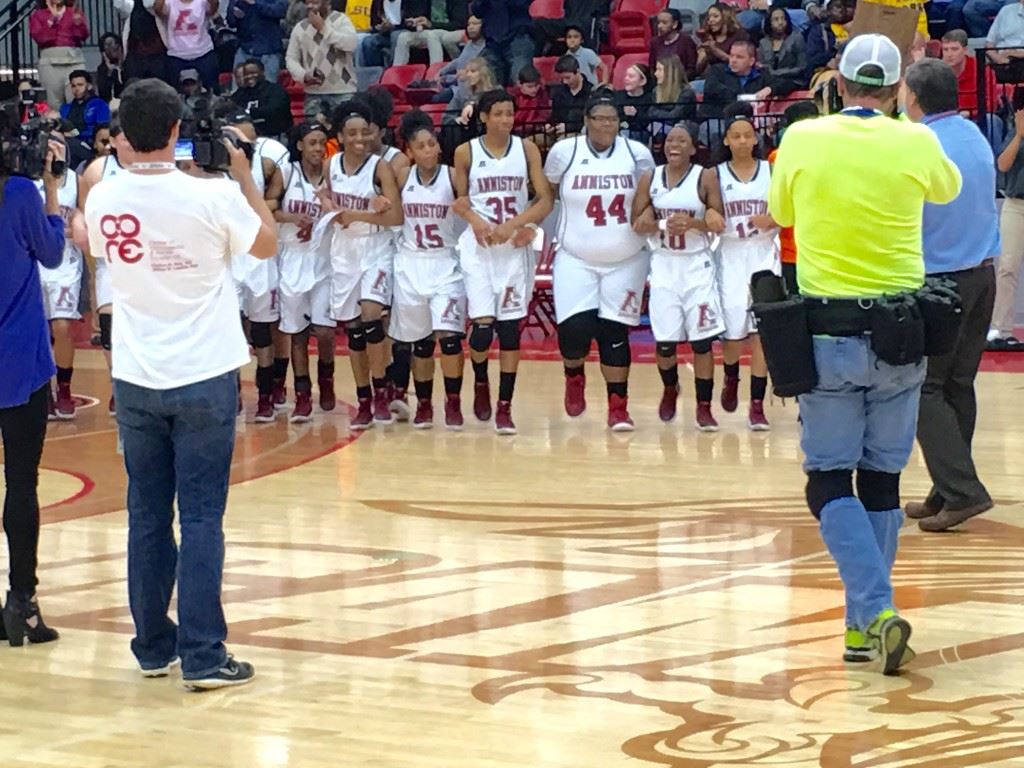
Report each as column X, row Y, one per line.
column 163, row 671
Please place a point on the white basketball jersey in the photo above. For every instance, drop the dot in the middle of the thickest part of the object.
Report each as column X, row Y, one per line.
column 683, row 197
column 429, row 222
column 70, row 268
column 388, row 153
column 354, row 192
column 302, row 264
column 299, row 197
column 498, row 186
column 743, row 199
column 111, row 167
column 597, row 191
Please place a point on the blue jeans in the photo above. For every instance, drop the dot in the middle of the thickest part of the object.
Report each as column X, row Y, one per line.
column 977, row 13
column 205, row 65
column 178, row 442
column 271, row 63
column 861, row 415
column 377, row 49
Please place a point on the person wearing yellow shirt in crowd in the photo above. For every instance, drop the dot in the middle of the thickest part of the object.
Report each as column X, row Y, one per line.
column 857, row 214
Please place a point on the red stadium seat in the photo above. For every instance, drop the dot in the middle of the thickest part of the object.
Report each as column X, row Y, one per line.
column 547, row 9
column 546, row 66
column 622, row 64
column 434, row 71
column 629, row 32
column 436, row 112
column 647, row 7
column 396, row 79
column 541, row 313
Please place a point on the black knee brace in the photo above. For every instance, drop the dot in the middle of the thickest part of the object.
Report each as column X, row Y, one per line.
column 508, row 335
column 356, row 337
column 105, row 326
column 424, row 348
column 575, row 334
column 374, row 330
column 261, row 335
column 878, row 491
column 451, row 345
column 823, row 487
column 666, row 348
column 613, row 343
column 481, row 337
column 701, row 347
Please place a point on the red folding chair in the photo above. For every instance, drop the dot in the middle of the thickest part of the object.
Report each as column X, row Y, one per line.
column 396, row 79
column 546, row 66
column 622, row 64
column 541, row 313
column 547, row 9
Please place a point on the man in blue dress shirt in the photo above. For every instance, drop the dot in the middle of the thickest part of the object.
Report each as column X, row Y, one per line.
column 960, row 240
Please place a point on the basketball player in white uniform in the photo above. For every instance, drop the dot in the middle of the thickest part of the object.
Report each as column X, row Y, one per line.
column 304, row 288
column 429, row 304
column 61, row 290
column 600, row 265
column 748, row 246
column 363, row 202
column 684, row 209
column 492, row 174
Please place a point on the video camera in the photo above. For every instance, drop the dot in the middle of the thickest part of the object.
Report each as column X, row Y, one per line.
column 205, row 133
column 24, row 146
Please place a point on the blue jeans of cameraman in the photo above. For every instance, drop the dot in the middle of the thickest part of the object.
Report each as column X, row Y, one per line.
column 178, row 442
column 861, row 418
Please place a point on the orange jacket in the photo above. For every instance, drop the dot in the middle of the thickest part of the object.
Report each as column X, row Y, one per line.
column 787, row 240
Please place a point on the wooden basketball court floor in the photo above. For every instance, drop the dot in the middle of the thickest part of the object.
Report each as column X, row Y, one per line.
column 566, row 598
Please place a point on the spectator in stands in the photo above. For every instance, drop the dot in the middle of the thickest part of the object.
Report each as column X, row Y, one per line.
column 568, row 98
column 1007, row 31
column 672, row 41
column 473, row 48
column 965, row 66
column 475, row 80
column 193, row 94
column 59, row 28
column 110, row 75
column 634, row 100
column 550, row 33
column 189, row 45
column 674, row 98
column 720, row 31
column 1011, row 232
column 266, row 102
column 86, row 110
column 781, row 53
column 823, row 36
column 145, row 52
column 590, row 63
column 440, row 32
column 387, row 20
column 258, row 23
column 533, row 103
column 742, row 77
column 319, row 56
column 977, row 14
column 507, row 27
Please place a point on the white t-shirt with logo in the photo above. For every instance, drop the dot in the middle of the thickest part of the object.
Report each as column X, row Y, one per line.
column 168, row 240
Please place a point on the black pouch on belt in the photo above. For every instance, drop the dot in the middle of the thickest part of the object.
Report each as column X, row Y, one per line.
column 897, row 330
column 939, row 300
column 785, row 337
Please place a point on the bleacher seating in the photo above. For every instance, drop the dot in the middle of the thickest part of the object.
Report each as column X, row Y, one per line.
column 546, row 66
column 547, row 9
column 397, row 78
column 623, row 63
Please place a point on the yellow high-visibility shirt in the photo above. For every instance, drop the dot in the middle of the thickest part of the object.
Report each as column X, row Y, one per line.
column 854, row 188
column 359, row 12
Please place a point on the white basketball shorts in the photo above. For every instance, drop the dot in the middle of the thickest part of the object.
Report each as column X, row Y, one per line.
column 429, row 295
column 737, row 262
column 616, row 291
column 499, row 279
column 299, row 310
column 684, row 303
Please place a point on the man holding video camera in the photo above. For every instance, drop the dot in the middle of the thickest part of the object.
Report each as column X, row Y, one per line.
column 177, row 347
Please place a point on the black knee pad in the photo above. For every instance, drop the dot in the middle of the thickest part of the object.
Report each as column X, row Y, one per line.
column 451, row 345
column 613, row 343
column 424, row 348
column 823, row 487
column 878, row 491
column 701, row 347
column 666, row 348
column 575, row 334
column 508, row 335
column 261, row 335
column 106, row 322
column 481, row 337
column 356, row 337
column 374, row 330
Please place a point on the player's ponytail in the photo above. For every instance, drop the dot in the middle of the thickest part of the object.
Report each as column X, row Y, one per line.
column 414, row 121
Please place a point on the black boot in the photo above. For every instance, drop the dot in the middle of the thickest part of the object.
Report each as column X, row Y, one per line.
column 22, row 619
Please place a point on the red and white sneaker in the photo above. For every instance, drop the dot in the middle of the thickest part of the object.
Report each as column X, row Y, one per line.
column 399, row 405
column 264, row 410
column 618, row 414
column 575, row 395
column 325, row 385
column 65, row 403
column 453, row 412
column 503, row 423
column 705, row 420
column 279, row 395
column 364, row 416
column 111, row 406
column 51, row 407
column 381, row 407
column 731, row 394
column 303, row 408
column 482, row 400
column 667, row 406
column 424, row 418
column 756, row 419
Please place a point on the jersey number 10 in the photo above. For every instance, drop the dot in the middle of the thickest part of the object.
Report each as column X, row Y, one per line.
column 596, row 212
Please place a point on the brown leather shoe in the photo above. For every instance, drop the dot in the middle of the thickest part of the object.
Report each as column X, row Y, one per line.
column 950, row 518
column 916, row 510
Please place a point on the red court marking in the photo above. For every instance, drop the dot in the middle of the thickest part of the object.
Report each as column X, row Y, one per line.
column 87, row 487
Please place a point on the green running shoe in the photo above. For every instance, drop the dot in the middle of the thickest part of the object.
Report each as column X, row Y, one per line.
column 858, row 647
column 890, row 634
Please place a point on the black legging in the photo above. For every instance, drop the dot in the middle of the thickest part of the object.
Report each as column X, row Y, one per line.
column 24, row 429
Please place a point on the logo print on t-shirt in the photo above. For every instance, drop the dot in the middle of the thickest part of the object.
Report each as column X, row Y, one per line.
column 121, row 232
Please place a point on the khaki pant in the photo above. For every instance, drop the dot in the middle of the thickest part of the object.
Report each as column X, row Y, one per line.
column 1011, row 231
column 55, row 64
column 433, row 39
